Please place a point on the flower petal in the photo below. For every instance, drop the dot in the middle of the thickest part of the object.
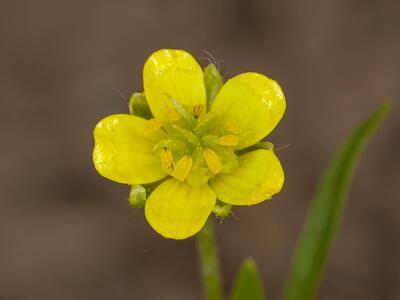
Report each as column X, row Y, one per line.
column 172, row 75
column 258, row 177
column 252, row 101
column 177, row 210
column 123, row 150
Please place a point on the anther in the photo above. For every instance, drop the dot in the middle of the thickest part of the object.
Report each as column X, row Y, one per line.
column 173, row 116
column 153, row 125
column 228, row 140
column 198, row 110
column 213, row 161
column 233, row 127
column 167, row 161
column 182, row 168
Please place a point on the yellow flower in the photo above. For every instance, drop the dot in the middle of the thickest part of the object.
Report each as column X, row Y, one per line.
column 194, row 141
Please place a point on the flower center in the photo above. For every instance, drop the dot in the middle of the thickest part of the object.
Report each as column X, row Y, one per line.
column 197, row 145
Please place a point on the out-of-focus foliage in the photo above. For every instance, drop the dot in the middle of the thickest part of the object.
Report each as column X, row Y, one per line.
column 326, row 212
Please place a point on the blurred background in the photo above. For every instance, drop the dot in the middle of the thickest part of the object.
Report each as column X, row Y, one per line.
column 67, row 233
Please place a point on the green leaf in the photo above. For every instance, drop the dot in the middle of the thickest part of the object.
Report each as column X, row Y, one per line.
column 248, row 284
column 326, row 212
column 138, row 106
column 213, row 82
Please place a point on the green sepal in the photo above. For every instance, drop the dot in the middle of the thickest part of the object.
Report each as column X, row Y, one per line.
column 138, row 106
column 213, row 82
column 222, row 210
column 264, row 145
column 260, row 145
column 137, row 196
column 139, row 193
column 248, row 284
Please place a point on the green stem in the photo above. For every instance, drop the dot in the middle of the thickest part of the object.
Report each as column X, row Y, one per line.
column 207, row 252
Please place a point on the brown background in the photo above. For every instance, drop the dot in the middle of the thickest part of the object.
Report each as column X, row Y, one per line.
column 67, row 233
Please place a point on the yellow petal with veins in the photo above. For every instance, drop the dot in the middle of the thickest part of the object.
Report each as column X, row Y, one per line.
column 258, row 177
column 123, row 150
column 252, row 101
column 172, row 75
column 177, row 210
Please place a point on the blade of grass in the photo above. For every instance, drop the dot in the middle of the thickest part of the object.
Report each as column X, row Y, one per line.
column 326, row 212
column 248, row 284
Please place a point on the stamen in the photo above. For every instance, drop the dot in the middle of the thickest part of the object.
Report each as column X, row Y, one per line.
column 173, row 116
column 233, row 126
column 198, row 110
column 213, row 161
column 182, row 168
column 228, row 140
column 167, row 161
column 180, row 109
column 153, row 125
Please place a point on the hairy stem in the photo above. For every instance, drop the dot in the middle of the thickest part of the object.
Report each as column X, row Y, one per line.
column 209, row 264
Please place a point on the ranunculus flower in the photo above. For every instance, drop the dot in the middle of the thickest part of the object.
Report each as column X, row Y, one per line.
column 199, row 142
